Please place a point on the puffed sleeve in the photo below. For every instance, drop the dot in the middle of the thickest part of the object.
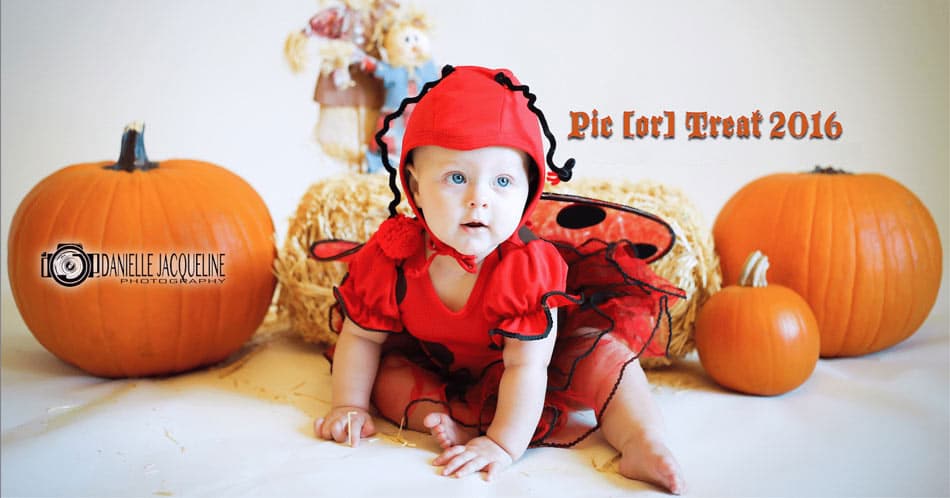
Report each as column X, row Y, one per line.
column 367, row 294
column 529, row 281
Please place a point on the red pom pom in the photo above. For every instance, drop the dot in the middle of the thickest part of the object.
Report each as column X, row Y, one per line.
column 400, row 236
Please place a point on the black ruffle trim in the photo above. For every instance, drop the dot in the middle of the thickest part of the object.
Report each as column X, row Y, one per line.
column 342, row 309
column 495, row 335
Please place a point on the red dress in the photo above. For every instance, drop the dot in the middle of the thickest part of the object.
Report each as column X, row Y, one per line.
column 611, row 306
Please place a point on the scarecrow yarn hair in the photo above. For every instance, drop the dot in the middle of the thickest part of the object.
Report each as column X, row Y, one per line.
column 563, row 173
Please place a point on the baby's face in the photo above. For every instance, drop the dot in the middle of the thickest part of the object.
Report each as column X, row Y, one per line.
column 472, row 200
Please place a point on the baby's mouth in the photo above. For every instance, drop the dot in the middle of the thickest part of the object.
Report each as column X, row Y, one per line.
column 474, row 224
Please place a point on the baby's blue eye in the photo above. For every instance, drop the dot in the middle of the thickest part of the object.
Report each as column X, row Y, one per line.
column 503, row 181
column 457, row 178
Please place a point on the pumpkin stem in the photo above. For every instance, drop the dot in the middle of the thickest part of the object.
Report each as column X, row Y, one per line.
column 132, row 154
column 828, row 170
column 753, row 272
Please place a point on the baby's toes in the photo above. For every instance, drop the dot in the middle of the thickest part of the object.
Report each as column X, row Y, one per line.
column 668, row 472
column 432, row 421
column 444, row 441
column 317, row 427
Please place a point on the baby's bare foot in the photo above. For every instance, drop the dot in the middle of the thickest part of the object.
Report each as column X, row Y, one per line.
column 448, row 432
column 649, row 460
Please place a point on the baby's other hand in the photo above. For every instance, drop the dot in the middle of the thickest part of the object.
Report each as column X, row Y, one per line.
column 479, row 454
column 345, row 423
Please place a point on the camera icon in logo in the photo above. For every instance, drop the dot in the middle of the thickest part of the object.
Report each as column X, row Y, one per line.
column 69, row 265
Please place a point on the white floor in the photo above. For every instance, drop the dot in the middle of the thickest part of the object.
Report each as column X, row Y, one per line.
column 878, row 425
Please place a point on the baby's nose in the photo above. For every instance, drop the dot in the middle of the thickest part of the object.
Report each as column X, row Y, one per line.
column 477, row 197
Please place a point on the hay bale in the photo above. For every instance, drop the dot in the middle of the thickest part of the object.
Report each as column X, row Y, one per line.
column 348, row 207
column 352, row 207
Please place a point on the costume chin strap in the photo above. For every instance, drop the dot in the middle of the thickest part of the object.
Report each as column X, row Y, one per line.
column 466, row 261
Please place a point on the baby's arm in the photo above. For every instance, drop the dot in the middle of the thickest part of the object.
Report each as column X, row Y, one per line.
column 521, row 393
column 520, row 402
column 355, row 362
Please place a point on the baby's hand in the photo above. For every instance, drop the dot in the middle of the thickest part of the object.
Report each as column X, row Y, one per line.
column 478, row 454
column 345, row 423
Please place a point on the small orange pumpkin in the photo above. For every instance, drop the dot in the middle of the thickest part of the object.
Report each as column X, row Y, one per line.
column 90, row 244
column 757, row 338
column 860, row 248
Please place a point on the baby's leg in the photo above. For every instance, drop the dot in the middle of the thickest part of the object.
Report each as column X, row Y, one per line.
column 412, row 395
column 631, row 423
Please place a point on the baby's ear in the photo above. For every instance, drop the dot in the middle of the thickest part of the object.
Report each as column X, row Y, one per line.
column 413, row 184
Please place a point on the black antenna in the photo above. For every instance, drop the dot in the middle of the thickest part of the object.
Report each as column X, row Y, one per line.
column 384, row 149
column 563, row 173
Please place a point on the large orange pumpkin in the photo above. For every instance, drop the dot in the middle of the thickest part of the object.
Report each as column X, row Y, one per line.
column 860, row 248
column 139, row 268
column 757, row 338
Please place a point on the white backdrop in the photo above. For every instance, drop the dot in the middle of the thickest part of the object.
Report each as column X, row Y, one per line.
column 209, row 80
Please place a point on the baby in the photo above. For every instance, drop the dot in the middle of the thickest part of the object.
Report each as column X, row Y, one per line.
column 463, row 323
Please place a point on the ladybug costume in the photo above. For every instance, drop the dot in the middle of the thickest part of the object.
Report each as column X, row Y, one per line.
column 582, row 258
